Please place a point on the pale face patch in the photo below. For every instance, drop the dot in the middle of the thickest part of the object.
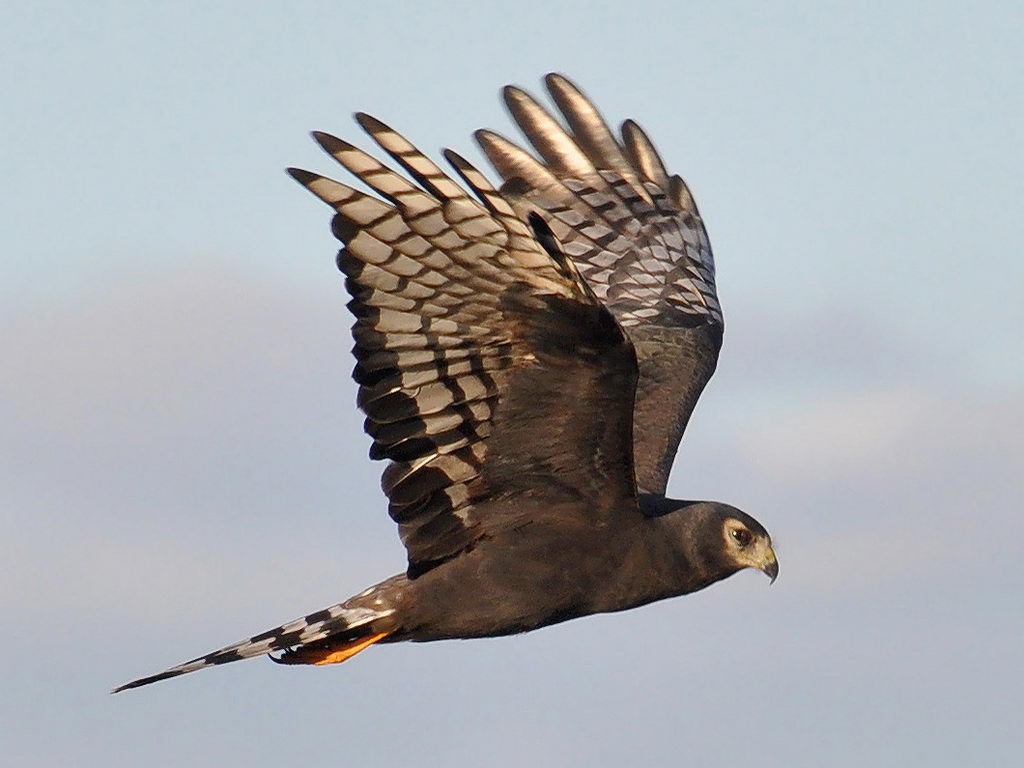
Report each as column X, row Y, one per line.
column 749, row 549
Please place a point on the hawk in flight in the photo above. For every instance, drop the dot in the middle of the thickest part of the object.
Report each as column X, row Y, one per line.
column 527, row 359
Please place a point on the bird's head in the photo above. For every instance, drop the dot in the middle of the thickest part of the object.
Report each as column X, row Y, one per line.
column 717, row 539
column 746, row 542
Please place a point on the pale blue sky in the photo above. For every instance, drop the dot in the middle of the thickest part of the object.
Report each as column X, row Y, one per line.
column 182, row 463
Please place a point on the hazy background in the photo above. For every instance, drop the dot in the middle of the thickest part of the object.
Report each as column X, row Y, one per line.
column 182, row 464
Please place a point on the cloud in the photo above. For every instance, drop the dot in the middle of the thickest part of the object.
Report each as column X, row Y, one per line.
column 890, row 486
column 820, row 347
column 176, row 436
column 882, row 431
column 157, row 347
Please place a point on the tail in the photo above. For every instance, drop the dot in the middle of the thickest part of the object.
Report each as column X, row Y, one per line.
column 346, row 627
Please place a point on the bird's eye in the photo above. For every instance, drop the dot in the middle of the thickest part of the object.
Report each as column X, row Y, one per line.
column 742, row 535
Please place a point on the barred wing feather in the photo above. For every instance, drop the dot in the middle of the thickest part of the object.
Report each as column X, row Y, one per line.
column 486, row 367
column 637, row 238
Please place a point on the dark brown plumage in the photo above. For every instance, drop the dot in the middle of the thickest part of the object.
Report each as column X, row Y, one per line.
column 639, row 241
column 497, row 346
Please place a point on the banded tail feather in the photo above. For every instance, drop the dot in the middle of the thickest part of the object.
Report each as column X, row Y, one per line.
column 345, row 621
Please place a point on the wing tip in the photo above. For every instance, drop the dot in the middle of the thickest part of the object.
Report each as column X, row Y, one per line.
column 513, row 96
column 452, row 156
column 459, row 163
column 562, row 90
column 304, row 177
column 486, row 138
column 558, row 80
column 631, row 126
column 371, row 124
column 329, row 142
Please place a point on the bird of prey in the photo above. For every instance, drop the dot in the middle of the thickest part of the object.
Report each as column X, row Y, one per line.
column 527, row 359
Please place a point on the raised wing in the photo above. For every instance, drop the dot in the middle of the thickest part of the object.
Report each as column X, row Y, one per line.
column 636, row 236
column 487, row 369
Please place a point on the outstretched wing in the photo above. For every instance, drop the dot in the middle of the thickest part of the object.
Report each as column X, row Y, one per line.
column 636, row 236
column 487, row 369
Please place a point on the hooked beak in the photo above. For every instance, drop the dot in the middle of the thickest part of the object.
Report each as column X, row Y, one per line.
column 770, row 565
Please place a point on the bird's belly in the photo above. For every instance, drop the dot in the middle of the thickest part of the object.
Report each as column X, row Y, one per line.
column 487, row 594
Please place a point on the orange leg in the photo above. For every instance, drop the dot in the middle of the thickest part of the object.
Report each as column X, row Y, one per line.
column 328, row 652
